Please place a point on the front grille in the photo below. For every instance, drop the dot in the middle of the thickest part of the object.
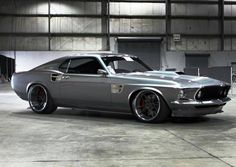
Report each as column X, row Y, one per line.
column 212, row 92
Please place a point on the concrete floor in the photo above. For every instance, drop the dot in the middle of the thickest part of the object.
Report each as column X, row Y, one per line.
column 80, row 138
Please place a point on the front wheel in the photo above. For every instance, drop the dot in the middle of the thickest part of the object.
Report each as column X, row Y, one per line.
column 40, row 100
column 149, row 106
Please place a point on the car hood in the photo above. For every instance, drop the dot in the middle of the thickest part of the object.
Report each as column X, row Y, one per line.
column 156, row 77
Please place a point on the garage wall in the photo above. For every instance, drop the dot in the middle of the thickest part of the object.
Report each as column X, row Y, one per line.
column 39, row 24
column 132, row 25
column 123, row 25
column 126, row 8
column 177, row 59
column 230, row 27
column 195, row 44
column 194, row 9
column 174, row 58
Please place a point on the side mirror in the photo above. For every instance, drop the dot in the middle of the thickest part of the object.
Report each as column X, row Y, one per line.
column 102, row 72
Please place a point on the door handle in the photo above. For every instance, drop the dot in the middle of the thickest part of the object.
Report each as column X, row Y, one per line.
column 66, row 77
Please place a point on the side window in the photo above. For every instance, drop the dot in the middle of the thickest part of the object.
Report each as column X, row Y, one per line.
column 63, row 67
column 84, row 66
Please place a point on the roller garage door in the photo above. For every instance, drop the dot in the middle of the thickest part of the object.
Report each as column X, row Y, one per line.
column 197, row 60
column 147, row 49
column 7, row 66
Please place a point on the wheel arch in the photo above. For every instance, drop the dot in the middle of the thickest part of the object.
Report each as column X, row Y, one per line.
column 50, row 106
column 136, row 91
column 34, row 83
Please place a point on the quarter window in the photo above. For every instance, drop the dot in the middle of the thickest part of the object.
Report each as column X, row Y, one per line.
column 63, row 67
column 84, row 66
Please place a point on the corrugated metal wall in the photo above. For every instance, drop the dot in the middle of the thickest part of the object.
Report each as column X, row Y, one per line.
column 199, row 24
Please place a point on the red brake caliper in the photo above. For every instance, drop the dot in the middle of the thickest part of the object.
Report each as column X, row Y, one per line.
column 142, row 103
column 40, row 93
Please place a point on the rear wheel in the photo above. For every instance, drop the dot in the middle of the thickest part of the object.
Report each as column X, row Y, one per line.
column 40, row 100
column 149, row 106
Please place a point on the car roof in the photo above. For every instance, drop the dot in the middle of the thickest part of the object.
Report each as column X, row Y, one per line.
column 95, row 55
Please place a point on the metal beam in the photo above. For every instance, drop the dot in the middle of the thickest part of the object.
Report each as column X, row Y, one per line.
column 22, row 34
column 190, row 17
column 52, row 15
column 195, row 17
column 49, row 25
column 169, row 35
column 79, row 34
column 23, row 15
column 78, row 15
column 105, row 24
column 108, row 25
column 38, row 34
column 233, row 18
column 138, row 1
column 221, row 23
column 230, row 2
column 194, row 2
column 159, row 1
column 138, row 16
column 164, row 35
column 77, row 0
column 138, row 35
column 168, row 22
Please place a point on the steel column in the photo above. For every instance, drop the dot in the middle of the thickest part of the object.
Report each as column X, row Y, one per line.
column 168, row 22
column 106, row 24
column 221, row 23
column 49, row 25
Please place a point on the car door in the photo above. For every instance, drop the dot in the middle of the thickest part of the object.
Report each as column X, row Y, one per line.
column 82, row 87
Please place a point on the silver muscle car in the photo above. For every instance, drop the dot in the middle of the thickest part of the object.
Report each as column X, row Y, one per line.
column 118, row 82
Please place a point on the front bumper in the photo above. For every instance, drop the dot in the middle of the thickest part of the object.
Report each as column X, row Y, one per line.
column 192, row 108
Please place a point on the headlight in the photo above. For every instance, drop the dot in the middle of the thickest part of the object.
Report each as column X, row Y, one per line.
column 12, row 82
column 225, row 92
column 182, row 95
column 222, row 92
column 199, row 94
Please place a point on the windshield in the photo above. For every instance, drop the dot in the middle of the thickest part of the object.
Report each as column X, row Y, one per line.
column 125, row 64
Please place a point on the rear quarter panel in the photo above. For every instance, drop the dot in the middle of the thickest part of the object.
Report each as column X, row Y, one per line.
column 22, row 81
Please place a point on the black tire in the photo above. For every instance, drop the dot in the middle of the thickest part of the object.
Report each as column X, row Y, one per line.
column 154, row 110
column 40, row 100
